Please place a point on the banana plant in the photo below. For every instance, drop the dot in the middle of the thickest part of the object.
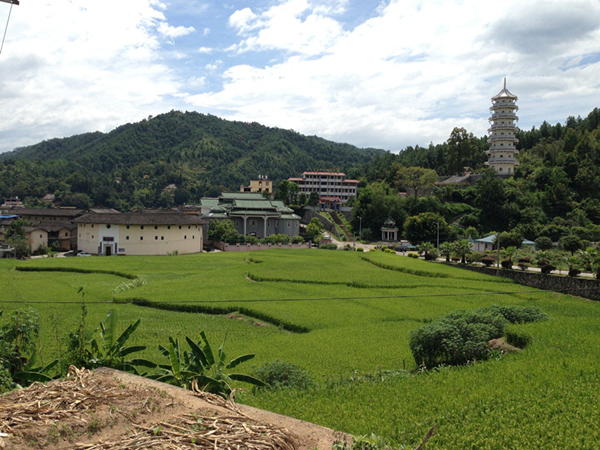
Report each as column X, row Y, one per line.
column 111, row 350
column 201, row 364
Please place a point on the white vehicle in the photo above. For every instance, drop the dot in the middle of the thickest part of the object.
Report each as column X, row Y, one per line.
column 80, row 253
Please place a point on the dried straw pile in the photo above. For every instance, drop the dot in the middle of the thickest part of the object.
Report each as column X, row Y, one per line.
column 83, row 393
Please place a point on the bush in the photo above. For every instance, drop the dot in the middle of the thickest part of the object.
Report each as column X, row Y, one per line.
column 462, row 336
column 330, row 246
column 506, row 264
column 547, row 268
column 297, row 240
column 457, row 338
column 574, row 272
column 455, row 259
column 360, row 249
column 278, row 374
column 413, row 255
column 488, row 261
column 517, row 314
column 523, row 266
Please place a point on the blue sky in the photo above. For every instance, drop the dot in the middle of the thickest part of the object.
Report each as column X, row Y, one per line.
column 374, row 74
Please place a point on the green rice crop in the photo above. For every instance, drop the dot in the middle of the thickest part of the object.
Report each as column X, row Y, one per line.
column 358, row 313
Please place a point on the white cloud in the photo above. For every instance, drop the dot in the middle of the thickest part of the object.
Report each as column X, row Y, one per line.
column 405, row 75
column 79, row 66
column 295, row 25
column 173, row 32
column 410, row 74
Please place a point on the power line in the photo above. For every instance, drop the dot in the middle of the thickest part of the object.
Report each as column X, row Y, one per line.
column 12, row 2
column 301, row 299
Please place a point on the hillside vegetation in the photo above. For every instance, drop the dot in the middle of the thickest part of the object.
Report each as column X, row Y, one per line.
column 201, row 154
column 355, row 346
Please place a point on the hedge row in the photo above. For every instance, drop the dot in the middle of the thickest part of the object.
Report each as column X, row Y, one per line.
column 420, row 273
column 353, row 284
column 219, row 310
column 76, row 270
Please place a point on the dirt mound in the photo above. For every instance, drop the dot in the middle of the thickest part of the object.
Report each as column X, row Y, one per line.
column 502, row 346
column 108, row 409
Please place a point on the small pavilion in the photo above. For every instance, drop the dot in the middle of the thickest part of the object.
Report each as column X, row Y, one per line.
column 389, row 230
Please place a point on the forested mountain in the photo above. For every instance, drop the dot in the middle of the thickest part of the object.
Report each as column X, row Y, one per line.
column 201, row 154
column 555, row 191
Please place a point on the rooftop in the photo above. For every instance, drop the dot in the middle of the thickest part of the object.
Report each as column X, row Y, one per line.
column 505, row 93
column 146, row 217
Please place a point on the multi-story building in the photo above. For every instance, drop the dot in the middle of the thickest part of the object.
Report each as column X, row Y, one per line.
column 503, row 133
column 331, row 186
column 261, row 185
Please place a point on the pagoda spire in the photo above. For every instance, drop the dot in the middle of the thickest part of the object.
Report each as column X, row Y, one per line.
column 503, row 133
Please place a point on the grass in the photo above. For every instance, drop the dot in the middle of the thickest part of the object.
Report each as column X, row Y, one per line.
column 358, row 313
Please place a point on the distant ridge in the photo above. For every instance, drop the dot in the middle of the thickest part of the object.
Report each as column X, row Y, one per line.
column 196, row 152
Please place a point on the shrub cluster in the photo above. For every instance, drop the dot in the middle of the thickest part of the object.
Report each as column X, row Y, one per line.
column 279, row 374
column 330, row 246
column 462, row 336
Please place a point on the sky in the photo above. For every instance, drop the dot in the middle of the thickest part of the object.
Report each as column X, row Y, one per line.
column 375, row 74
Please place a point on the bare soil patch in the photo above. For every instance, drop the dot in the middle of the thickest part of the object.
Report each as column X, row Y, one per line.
column 108, row 409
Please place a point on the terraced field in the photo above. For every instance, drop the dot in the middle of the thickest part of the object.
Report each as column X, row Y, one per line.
column 346, row 318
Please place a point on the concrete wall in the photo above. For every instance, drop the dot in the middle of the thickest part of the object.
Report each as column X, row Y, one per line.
column 582, row 287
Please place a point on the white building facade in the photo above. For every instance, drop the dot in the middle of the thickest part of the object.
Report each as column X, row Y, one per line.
column 139, row 233
column 327, row 184
column 502, row 138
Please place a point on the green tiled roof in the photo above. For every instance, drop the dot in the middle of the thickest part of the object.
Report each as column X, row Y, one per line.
column 254, row 212
column 242, row 195
column 254, row 204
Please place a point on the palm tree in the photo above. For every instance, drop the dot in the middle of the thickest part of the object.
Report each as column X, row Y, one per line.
column 446, row 249
column 426, row 248
column 462, row 249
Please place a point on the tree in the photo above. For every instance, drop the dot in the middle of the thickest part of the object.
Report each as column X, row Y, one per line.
column 416, row 178
column 422, row 227
column 314, row 228
column 490, row 199
column 220, row 229
column 543, row 243
column 511, row 239
column 571, row 243
column 461, row 151
column 286, row 191
column 16, row 237
column 313, row 199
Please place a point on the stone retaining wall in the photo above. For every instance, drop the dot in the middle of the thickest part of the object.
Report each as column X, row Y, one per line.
column 582, row 287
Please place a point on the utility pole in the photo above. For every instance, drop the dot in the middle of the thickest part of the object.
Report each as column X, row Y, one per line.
column 359, row 228
column 498, row 257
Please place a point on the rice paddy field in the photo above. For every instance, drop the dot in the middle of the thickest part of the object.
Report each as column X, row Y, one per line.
column 346, row 318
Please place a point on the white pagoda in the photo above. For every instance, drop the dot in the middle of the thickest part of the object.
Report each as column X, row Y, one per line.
column 503, row 133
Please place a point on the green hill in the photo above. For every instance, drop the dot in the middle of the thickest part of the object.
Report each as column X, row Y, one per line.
column 201, row 154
